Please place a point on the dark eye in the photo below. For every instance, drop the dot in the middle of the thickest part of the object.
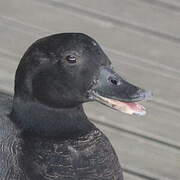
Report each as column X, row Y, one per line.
column 71, row 59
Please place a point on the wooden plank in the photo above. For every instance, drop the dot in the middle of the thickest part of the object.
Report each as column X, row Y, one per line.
column 136, row 13
column 139, row 155
column 172, row 2
column 173, row 5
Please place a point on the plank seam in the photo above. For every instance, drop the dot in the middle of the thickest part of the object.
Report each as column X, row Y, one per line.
column 162, row 4
column 143, row 136
column 140, row 175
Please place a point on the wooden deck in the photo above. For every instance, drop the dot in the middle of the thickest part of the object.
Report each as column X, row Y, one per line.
column 142, row 38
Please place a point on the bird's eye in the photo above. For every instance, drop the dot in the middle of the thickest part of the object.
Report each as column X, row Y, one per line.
column 71, row 59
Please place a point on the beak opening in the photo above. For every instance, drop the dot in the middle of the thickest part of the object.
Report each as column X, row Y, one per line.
column 111, row 90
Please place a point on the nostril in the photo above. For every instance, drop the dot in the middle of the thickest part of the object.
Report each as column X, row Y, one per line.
column 113, row 81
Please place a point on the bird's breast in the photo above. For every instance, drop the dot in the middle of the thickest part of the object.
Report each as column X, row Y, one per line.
column 88, row 157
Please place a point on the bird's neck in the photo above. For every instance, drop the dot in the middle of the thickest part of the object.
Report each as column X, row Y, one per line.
column 39, row 120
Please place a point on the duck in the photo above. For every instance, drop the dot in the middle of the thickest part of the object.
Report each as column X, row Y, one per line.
column 44, row 131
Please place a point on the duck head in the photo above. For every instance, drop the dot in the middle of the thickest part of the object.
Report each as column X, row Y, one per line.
column 68, row 69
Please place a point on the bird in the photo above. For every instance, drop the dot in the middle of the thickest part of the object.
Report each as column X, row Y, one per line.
column 44, row 131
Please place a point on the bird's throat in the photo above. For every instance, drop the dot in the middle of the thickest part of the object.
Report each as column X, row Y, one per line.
column 38, row 119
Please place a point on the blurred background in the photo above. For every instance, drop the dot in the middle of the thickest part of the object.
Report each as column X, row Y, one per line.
column 142, row 39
